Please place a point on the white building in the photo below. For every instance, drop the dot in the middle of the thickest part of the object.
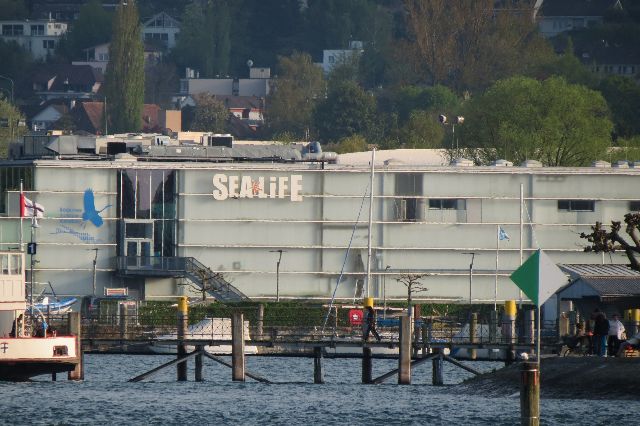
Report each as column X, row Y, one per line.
column 333, row 58
column 40, row 38
column 172, row 204
column 162, row 29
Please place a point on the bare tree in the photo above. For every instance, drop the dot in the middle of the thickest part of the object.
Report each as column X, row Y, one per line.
column 413, row 284
column 208, row 282
column 611, row 241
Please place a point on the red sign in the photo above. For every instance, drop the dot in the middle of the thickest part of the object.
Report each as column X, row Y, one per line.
column 355, row 316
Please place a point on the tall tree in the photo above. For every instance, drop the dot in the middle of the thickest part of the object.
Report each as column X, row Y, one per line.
column 519, row 118
column 124, row 81
column 623, row 96
column 468, row 45
column 299, row 86
column 348, row 110
column 10, row 117
column 92, row 27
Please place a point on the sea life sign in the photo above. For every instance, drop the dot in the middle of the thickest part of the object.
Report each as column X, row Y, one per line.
column 235, row 186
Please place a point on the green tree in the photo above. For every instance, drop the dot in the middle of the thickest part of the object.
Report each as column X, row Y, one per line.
column 623, row 96
column 13, row 9
column 211, row 114
column 93, row 27
column 566, row 65
column 15, row 64
column 10, row 129
column 353, row 143
column 519, row 118
column 347, row 110
column 205, row 43
column 124, row 81
column 297, row 89
column 422, row 130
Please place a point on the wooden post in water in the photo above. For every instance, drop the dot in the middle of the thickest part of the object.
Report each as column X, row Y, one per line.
column 183, row 323
column 75, row 328
column 404, row 360
column 199, row 356
column 530, row 394
column 425, row 338
column 530, row 329
column 367, row 366
column 260, row 320
column 509, row 329
column 473, row 330
column 122, row 310
column 417, row 313
column 318, row 376
column 237, row 347
column 437, row 364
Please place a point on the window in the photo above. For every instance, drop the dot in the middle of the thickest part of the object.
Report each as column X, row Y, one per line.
column 12, row 30
column 103, row 57
column 407, row 209
column 447, row 204
column 37, row 30
column 577, row 205
column 48, row 44
column 634, row 206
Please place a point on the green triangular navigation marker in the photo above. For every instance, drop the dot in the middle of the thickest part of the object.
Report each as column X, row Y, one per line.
column 527, row 277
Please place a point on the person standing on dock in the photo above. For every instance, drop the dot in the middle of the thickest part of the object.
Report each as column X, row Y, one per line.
column 370, row 324
column 616, row 330
column 600, row 333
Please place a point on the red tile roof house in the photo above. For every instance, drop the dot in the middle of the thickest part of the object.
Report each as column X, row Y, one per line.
column 90, row 118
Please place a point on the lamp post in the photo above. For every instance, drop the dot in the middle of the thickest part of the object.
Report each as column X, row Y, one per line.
column 473, row 256
column 456, row 120
column 280, row 251
column 12, row 85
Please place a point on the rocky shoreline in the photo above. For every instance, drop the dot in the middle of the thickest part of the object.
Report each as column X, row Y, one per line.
column 585, row 377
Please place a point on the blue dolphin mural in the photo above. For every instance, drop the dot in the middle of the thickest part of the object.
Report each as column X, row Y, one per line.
column 90, row 213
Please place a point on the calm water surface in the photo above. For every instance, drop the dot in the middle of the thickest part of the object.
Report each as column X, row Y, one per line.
column 105, row 397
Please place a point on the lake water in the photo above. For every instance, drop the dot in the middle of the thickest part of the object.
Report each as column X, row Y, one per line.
column 105, row 397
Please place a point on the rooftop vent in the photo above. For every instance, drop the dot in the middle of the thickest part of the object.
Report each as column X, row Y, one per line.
column 502, row 163
column 621, row 164
column 462, row 162
column 601, row 164
column 531, row 163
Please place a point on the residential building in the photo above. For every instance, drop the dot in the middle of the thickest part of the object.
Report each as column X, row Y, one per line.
column 39, row 38
column 64, row 10
column 96, row 57
column 54, row 81
column 559, row 16
column 335, row 57
column 258, row 84
column 161, row 29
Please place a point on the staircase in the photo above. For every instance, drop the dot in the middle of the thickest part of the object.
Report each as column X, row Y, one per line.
column 186, row 267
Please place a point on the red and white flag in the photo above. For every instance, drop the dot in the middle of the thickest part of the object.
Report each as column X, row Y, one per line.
column 29, row 208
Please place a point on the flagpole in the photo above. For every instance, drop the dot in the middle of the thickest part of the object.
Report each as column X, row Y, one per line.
column 495, row 290
column 521, row 231
column 538, row 343
column 20, row 202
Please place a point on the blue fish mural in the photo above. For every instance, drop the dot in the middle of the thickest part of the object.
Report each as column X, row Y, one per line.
column 90, row 213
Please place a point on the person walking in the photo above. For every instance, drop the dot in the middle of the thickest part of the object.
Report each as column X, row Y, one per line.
column 370, row 324
column 616, row 331
column 600, row 333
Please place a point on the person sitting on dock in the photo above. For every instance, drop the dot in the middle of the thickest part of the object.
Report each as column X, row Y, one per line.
column 370, row 324
column 633, row 343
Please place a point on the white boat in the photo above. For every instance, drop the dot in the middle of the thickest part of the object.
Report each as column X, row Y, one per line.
column 23, row 355
column 48, row 305
column 207, row 329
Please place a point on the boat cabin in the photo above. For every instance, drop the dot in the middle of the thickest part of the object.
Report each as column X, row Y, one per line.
column 12, row 290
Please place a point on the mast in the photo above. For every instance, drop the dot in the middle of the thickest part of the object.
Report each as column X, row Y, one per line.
column 368, row 284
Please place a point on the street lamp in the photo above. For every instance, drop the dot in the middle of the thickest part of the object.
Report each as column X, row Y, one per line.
column 280, row 251
column 12, row 85
column 473, row 256
column 456, row 120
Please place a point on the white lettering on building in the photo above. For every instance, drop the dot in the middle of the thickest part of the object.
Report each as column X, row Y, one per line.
column 225, row 186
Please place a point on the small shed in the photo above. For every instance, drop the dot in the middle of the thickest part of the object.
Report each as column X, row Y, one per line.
column 612, row 288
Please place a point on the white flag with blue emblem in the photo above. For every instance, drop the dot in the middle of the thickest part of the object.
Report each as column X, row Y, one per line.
column 502, row 234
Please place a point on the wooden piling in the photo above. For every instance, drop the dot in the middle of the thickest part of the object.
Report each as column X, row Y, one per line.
column 75, row 328
column 260, row 320
column 122, row 309
column 318, row 376
column 237, row 347
column 473, row 330
column 530, row 394
column 367, row 366
column 437, row 372
column 199, row 357
column 183, row 324
column 425, row 338
column 404, row 360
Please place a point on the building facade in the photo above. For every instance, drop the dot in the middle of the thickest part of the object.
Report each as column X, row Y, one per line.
column 39, row 38
column 235, row 217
